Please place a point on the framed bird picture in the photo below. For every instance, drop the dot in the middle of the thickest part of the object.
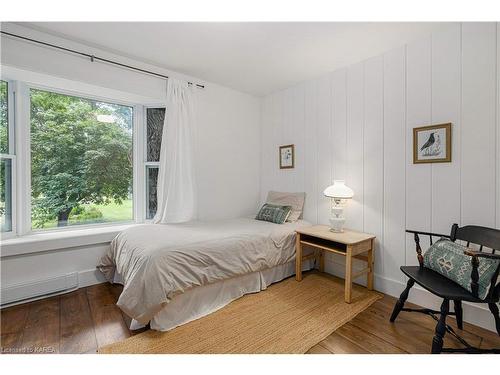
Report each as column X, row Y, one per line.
column 432, row 144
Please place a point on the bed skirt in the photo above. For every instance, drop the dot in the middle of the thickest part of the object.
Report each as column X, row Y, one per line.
column 203, row 300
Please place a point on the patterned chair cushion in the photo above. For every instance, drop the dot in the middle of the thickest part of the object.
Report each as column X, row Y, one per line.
column 448, row 259
column 274, row 213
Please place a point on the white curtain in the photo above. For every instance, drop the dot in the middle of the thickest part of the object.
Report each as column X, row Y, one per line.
column 176, row 184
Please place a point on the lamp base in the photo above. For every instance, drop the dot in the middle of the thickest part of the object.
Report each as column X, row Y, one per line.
column 337, row 224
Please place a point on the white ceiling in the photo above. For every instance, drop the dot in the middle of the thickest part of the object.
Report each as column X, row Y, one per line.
column 256, row 58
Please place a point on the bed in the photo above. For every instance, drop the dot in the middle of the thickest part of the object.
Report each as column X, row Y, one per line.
column 175, row 273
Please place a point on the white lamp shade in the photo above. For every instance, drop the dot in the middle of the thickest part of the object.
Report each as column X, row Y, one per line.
column 339, row 190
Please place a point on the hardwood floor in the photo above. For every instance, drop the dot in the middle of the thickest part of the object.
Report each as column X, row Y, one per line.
column 84, row 320
column 371, row 332
column 77, row 322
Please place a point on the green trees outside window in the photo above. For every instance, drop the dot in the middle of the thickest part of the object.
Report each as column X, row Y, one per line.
column 4, row 120
column 5, row 161
column 81, row 160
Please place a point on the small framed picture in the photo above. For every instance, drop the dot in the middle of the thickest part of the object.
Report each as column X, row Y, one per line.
column 287, row 156
column 432, row 144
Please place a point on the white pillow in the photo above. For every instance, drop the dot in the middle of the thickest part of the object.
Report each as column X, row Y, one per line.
column 296, row 200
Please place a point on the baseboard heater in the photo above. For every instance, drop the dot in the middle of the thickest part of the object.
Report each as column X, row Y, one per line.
column 39, row 288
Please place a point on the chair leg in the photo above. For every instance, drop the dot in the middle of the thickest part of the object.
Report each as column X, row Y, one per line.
column 401, row 301
column 494, row 310
column 459, row 313
column 437, row 341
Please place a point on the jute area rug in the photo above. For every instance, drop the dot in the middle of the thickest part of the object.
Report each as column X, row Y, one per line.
column 288, row 317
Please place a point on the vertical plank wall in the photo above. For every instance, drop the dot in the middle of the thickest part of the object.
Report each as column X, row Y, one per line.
column 479, row 105
column 418, row 113
column 356, row 124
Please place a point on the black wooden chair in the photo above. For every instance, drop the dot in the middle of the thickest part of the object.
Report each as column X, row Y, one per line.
column 449, row 290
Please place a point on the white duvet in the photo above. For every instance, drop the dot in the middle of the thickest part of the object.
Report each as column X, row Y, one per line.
column 159, row 261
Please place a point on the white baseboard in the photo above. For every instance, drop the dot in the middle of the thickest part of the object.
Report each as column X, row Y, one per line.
column 473, row 313
column 37, row 289
column 90, row 277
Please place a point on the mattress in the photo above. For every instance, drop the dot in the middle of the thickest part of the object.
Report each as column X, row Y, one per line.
column 161, row 261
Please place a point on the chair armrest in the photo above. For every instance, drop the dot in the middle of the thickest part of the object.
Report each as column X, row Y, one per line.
column 417, row 242
column 428, row 233
column 480, row 254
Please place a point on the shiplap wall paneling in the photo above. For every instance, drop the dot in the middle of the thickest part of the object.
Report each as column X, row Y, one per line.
column 274, row 114
column 332, row 136
column 279, row 136
column 446, row 88
column 497, row 158
column 324, row 176
column 299, row 140
column 288, row 137
column 478, row 123
column 373, row 154
column 268, row 147
column 339, row 131
column 418, row 113
column 394, row 164
column 311, row 151
column 355, row 119
column 339, row 124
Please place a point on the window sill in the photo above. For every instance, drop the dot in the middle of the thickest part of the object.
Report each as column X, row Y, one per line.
column 48, row 241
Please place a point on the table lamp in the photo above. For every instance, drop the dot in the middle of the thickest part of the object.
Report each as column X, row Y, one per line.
column 339, row 192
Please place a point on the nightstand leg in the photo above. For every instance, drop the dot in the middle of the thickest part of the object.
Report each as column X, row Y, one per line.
column 321, row 261
column 348, row 274
column 298, row 258
column 369, row 276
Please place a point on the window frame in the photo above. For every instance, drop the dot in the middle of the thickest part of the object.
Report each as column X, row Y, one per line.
column 11, row 154
column 147, row 163
column 21, row 174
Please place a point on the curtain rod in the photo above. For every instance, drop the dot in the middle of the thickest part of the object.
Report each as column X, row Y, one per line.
column 93, row 57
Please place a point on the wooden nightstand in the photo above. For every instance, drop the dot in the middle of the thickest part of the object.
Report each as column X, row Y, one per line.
column 348, row 243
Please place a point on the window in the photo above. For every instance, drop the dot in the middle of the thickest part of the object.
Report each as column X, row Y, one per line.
column 155, row 118
column 78, row 160
column 81, row 161
column 7, row 157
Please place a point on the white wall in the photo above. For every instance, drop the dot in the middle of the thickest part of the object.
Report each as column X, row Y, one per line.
column 356, row 124
column 227, row 143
